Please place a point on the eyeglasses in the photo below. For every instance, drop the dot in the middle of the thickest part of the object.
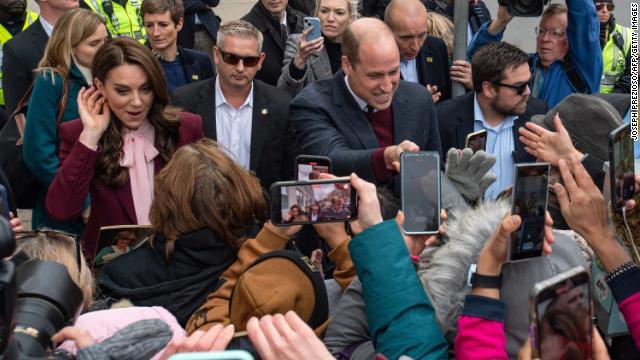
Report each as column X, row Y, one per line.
column 609, row 6
column 556, row 33
column 59, row 236
column 233, row 59
column 518, row 88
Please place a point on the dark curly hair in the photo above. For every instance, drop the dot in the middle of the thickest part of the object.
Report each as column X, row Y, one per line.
column 163, row 118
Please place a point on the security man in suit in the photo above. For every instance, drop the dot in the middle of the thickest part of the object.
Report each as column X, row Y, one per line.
column 248, row 118
column 500, row 104
column 123, row 17
column 423, row 58
column 364, row 116
column 14, row 18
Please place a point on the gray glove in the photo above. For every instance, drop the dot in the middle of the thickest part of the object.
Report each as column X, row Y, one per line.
column 469, row 172
column 139, row 340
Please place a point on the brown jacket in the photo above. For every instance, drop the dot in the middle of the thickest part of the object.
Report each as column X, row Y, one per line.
column 216, row 309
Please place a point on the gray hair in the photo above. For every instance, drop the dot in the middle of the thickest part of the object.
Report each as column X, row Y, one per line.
column 241, row 29
column 444, row 269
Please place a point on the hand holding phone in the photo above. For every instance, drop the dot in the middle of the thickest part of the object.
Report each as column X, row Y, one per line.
column 621, row 167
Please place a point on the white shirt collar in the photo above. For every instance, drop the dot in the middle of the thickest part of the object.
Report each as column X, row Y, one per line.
column 48, row 28
column 283, row 21
column 221, row 100
column 361, row 103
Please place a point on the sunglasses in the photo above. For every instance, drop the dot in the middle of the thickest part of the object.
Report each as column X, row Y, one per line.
column 57, row 235
column 609, row 6
column 233, row 59
column 518, row 88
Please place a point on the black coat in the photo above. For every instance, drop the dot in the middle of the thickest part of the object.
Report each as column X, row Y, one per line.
column 208, row 18
column 456, row 120
column 180, row 285
column 433, row 66
column 21, row 55
column 272, row 45
column 195, row 64
column 271, row 155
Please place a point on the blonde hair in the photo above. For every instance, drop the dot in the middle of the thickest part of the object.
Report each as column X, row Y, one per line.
column 56, row 246
column 352, row 5
column 441, row 27
column 73, row 27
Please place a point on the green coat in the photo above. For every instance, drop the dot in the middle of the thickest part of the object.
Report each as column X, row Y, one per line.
column 41, row 142
column 400, row 316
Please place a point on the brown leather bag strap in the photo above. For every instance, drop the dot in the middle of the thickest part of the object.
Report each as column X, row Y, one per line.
column 62, row 105
column 24, row 101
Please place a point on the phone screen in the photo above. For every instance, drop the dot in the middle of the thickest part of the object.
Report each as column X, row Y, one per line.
column 622, row 180
column 477, row 141
column 564, row 322
column 530, row 202
column 420, row 192
column 309, row 202
column 311, row 171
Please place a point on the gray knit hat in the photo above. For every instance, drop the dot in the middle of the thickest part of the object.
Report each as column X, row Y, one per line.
column 588, row 119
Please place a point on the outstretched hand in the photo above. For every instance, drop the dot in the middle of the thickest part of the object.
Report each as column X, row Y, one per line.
column 95, row 115
column 545, row 145
column 469, row 172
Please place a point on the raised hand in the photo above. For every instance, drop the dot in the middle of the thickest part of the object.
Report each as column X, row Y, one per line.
column 547, row 145
column 461, row 72
column 95, row 115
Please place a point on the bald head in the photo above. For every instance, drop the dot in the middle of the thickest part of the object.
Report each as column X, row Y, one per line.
column 399, row 9
column 365, row 31
column 408, row 20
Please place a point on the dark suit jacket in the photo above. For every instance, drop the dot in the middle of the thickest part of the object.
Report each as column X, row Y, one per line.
column 327, row 121
column 269, row 157
column 196, row 64
column 272, row 46
column 208, row 18
column 456, row 120
column 75, row 179
column 433, row 66
column 21, row 55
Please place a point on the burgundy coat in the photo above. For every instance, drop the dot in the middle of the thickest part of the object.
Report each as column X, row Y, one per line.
column 75, row 180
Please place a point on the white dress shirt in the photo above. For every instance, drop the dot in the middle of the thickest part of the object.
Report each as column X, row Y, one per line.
column 233, row 127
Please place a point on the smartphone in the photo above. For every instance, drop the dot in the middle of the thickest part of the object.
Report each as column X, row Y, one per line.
column 317, row 28
column 476, row 141
column 308, row 167
column 420, row 192
column 530, row 192
column 313, row 201
column 561, row 316
column 213, row 355
column 621, row 160
column 4, row 202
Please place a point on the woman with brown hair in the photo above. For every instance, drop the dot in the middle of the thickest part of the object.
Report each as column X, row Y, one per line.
column 126, row 133
column 204, row 207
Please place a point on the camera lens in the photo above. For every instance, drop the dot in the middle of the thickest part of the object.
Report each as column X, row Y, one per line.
column 47, row 301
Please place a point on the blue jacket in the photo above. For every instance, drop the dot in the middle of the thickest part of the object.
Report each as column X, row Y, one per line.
column 41, row 142
column 583, row 31
column 400, row 316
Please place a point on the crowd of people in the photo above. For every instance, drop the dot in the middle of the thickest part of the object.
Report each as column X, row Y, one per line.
column 154, row 113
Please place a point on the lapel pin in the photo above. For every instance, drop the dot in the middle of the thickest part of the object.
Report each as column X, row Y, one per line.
column 429, row 59
column 264, row 111
column 194, row 77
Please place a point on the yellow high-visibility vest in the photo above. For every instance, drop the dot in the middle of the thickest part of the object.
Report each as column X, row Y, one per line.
column 123, row 21
column 614, row 59
column 5, row 36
